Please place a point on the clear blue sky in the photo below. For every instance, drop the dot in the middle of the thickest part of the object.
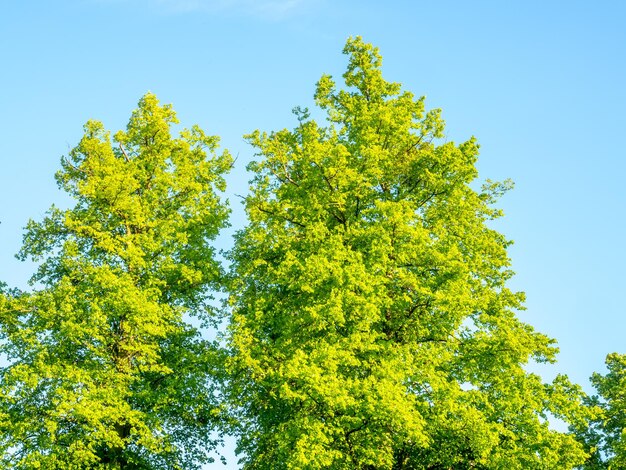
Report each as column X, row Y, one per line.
column 541, row 84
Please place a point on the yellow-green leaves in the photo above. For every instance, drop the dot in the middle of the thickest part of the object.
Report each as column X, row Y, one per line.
column 372, row 326
column 103, row 371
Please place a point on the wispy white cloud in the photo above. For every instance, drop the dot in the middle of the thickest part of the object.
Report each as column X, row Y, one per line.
column 266, row 9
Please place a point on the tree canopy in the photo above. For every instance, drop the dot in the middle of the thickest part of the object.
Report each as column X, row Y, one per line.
column 104, row 369
column 372, row 325
column 605, row 436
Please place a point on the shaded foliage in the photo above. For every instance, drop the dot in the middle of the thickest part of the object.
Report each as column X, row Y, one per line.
column 605, row 437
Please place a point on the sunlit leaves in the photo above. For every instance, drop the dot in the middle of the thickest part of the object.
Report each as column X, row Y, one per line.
column 103, row 369
column 372, row 326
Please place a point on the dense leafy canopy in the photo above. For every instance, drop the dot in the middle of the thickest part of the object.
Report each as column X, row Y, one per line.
column 103, row 369
column 371, row 326
column 371, row 323
column 605, row 437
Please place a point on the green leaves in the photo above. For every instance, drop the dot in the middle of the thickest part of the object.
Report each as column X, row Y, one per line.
column 605, row 437
column 102, row 365
column 372, row 326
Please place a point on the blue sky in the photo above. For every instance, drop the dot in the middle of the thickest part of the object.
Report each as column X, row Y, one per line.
column 540, row 84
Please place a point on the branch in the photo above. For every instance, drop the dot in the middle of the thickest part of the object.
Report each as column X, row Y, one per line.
column 232, row 165
column 75, row 168
column 124, row 152
column 330, row 186
column 265, row 211
column 288, row 180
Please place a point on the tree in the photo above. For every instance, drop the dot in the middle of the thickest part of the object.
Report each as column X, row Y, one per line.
column 605, row 438
column 371, row 323
column 104, row 369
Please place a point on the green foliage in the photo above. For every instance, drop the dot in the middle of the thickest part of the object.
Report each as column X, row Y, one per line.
column 371, row 323
column 606, row 436
column 104, row 370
